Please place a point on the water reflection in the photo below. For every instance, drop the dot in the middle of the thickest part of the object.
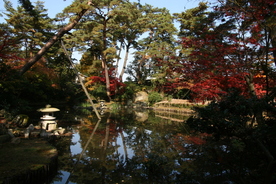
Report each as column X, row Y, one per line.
column 130, row 148
column 76, row 147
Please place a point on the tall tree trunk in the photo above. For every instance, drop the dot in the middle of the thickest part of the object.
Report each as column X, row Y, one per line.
column 139, row 73
column 250, row 84
column 274, row 51
column 107, row 81
column 117, row 62
column 53, row 40
column 252, row 92
column 104, row 62
column 260, row 143
column 125, row 62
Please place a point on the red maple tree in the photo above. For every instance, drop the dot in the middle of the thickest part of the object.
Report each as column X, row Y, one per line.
column 229, row 47
column 116, row 86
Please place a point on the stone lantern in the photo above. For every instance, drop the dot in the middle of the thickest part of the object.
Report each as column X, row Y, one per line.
column 48, row 121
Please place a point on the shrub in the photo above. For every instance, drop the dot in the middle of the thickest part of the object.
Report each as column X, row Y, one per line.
column 154, row 97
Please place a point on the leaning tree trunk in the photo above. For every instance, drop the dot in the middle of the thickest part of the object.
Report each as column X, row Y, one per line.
column 53, row 40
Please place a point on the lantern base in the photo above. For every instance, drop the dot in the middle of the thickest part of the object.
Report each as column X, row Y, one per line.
column 49, row 125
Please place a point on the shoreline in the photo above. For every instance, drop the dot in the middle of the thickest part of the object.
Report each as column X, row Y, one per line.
column 30, row 161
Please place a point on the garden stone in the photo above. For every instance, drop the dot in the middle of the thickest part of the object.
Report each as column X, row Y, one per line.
column 141, row 100
column 21, row 120
column 141, row 116
column 141, row 96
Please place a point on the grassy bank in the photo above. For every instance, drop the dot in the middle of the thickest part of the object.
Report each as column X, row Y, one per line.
column 30, row 161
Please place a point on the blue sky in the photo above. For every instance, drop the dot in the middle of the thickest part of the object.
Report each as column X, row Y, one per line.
column 56, row 6
column 175, row 6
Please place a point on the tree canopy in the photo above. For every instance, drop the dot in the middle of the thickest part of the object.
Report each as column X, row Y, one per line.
column 215, row 49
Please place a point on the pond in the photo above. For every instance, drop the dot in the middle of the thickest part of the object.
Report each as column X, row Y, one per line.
column 128, row 147
column 147, row 147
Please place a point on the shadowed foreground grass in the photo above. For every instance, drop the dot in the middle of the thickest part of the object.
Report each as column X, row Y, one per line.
column 24, row 157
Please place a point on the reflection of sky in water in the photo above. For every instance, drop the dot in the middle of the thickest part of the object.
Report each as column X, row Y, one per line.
column 76, row 148
column 118, row 150
column 64, row 176
column 121, row 146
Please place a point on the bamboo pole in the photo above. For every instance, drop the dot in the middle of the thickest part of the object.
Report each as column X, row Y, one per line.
column 80, row 79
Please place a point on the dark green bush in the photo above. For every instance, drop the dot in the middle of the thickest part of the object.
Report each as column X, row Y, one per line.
column 154, row 97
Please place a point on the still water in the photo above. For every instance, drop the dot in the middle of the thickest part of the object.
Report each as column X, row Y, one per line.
column 153, row 148
column 127, row 147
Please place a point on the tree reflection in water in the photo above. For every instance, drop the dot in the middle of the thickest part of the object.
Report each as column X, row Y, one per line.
column 124, row 150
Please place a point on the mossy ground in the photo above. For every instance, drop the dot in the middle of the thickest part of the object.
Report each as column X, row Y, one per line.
column 29, row 154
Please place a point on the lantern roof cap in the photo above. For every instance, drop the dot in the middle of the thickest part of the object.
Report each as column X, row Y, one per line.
column 48, row 108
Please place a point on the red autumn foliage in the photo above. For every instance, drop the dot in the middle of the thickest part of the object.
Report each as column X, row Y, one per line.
column 211, row 73
column 179, row 141
column 8, row 54
column 220, row 58
column 196, row 140
column 116, row 86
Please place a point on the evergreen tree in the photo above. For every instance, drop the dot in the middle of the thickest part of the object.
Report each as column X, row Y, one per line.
column 128, row 26
column 157, row 44
column 81, row 8
column 33, row 30
column 96, row 30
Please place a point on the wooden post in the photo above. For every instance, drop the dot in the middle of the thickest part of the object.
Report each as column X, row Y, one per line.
column 81, row 82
